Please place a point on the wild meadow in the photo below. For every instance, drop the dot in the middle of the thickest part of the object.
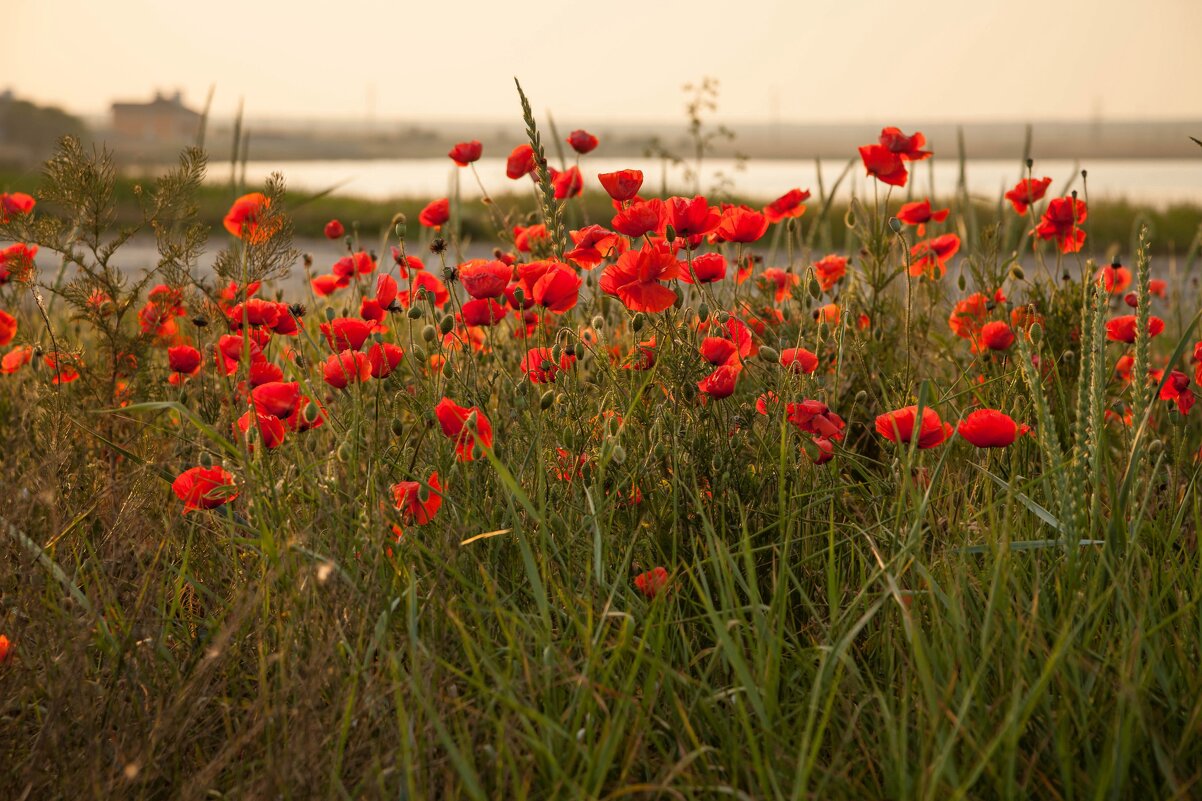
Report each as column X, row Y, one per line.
column 678, row 500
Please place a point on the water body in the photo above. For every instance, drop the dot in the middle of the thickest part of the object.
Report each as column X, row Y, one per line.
column 1155, row 182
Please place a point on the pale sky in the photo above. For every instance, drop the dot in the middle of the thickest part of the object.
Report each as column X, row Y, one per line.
column 798, row 60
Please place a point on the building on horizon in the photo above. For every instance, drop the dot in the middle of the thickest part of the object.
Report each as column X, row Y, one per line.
column 165, row 119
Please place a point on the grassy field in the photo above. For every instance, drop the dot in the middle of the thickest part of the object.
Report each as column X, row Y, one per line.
column 386, row 597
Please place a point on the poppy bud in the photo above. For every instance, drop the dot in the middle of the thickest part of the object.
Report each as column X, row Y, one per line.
column 1035, row 332
column 618, row 455
column 769, row 354
column 1069, row 356
column 895, row 225
column 861, row 396
column 598, row 321
column 703, row 313
column 640, row 320
column 519, row 296
column 962, row 282
column 206, row 460
column 344, row 452
column 1017, row 273
column 414, row 313
column 199, row 322
column 429, row 332
column 546, row 400
column 1155, row 446
column 311, row 412
column 815, row 288
column 849, row 219
column 556, row 355
column 670, row 232
column 544, row 365
column 446, row 323
column 523, row 388
column 419, row 353
column 329, row 314
column 400, row 230
column 723, row 316
column 824, row 330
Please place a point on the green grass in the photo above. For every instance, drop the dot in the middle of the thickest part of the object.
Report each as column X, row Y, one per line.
column 897, row 623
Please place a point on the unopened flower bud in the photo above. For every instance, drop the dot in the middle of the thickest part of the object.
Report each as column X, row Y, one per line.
column 769, row 354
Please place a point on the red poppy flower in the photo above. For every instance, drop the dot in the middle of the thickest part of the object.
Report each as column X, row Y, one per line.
column 719, row 351
column 582, row 141
column 652, row 583
column 334, row 230
column 883, row 164
column 828, row 314
column 919, row 213
column 996, row 335
column 353, row 266
column 326, row 285
column 1157, row 287
column 825, row 450
column 908, row 147
column 271, row 429
column 424, row 282
column 898, row 426
column 641, row 217
column 799, row 360
column 343, row 333
column 1123, row 329
column 264, row 372
column 968, row 316
column 1175, row 390
column 989, row 428
column 829, row 270
column 204, row 487
column 623, row 184
column 520, row 162
column 551, row 284
column 815, row 417
column 64, row 366
column 790, row 204
column 1115, row 278
column 782, row 281
column 568, row 183
column 277, row 398
column 15, row 204
column 184, row 359
column 930, row 256
column 15, row 359
column 8, row 327
column 383, row 358
column 527, row 237
column 721, row 383
column 484, row 279
column 6, row 649
column 1027, row 193
column 347, row 367
column 454, row 420
column 254, row 312
column 706, row 269
column 741, row 224
column 465, row 153
column 435, row 214
column 246, row 218
column 540, row 366
column 408, row 497
column 485, row 312
column 691, row 217
column 1060, row 222
column 593, row 245
column 635, row 278
column 16, row 263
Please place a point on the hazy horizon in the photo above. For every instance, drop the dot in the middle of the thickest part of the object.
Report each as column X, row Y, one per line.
column 791, row 63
